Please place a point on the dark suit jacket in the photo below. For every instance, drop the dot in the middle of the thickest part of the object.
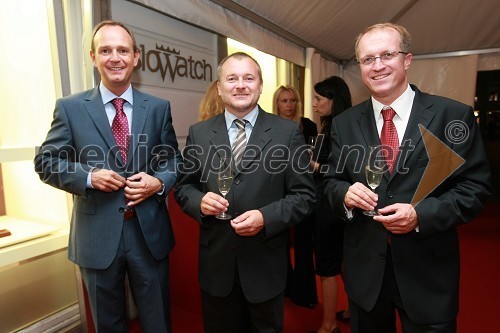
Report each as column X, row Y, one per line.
column 309, row 128
column 274, row 180
column 80, row 138
column 426, row 263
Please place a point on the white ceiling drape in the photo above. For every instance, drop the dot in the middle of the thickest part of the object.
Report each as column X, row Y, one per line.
column 489, row 62
column 208, row 15
column 452, row 77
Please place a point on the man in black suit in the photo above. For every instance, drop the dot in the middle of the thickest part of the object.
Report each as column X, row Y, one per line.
column 406, row 258
column 243, row 261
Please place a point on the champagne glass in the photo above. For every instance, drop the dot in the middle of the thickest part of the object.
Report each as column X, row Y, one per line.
column 374, row 170
column 224, row 181
column 311, row 141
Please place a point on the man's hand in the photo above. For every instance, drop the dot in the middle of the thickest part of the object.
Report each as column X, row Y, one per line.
column 141, row 186
column 106, row 180
column 213, row 204
column 360, row 196
column 248, row 223
column 398, row 218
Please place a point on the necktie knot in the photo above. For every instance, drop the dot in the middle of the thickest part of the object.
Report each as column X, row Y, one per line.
column 240, row 124
column 388, row 113
column 118, row 104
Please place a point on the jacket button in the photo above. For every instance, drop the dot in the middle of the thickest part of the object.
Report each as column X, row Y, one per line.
column 390, row 195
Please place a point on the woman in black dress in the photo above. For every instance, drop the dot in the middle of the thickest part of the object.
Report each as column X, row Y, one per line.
column 301, row 281
column 331, row 97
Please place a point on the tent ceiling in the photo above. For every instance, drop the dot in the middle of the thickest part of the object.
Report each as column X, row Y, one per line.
column 331, row 26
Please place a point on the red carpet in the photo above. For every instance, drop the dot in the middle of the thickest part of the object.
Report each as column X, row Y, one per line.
column 480, row 275
column 480, row 280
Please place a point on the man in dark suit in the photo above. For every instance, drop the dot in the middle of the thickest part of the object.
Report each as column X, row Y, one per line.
column 243, row 261
column 406, row 258
column 120, row 224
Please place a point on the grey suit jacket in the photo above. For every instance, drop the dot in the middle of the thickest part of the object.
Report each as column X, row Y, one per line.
column 80, row 139
column 426, row 263
column 275, row 179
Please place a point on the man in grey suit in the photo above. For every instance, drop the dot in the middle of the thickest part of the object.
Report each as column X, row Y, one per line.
column 119, row 181
column 405, row 259
column 243, row 261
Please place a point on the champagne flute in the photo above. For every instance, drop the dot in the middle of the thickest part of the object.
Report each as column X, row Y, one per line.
column 311, row 141
column 224, row 181
column 374, row 171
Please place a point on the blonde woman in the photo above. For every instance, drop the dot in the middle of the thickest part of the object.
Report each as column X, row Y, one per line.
column 211, row 103
column 287, row 104
column 301, row 281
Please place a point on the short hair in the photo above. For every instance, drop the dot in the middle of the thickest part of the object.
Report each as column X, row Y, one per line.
column 405, row 36
column 112, row 23
column 239, row 56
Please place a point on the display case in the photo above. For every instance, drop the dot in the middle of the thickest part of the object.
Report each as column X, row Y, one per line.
column 34, row 217
column 36, row 278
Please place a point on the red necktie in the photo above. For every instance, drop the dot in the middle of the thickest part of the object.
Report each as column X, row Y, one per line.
column 389, row 138
column 120, row 128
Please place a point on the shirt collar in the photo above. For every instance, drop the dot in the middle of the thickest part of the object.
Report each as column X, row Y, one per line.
column 108, row 96
column 251, row 117
column 402, row 105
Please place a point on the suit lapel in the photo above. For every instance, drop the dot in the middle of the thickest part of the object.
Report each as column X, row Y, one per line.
column 139, row 116
column 261, row 136
column 367, row 125
column 95, row 108
column 369, row 130
column 258, row 140
column 420, row 114
column 220, row 138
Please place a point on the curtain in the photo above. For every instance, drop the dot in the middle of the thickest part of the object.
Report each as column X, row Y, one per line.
column 317, row 69
column 452, row 77
column 210, row 16
column 489, row 62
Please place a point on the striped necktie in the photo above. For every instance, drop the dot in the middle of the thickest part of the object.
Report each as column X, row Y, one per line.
column 240, row 143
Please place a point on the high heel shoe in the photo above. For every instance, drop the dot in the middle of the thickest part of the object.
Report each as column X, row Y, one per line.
column 341, row 316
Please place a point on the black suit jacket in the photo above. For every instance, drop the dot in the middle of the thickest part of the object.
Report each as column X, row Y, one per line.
column 309, row 128
column 276, row 180
column 426, row 263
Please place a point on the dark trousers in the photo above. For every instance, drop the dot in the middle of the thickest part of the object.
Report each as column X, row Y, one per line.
column 148, row 280
column 301, row 278
column 234, row 314
column 382, row 318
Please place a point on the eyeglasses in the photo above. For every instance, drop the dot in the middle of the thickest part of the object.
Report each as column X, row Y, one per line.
column 387, row 56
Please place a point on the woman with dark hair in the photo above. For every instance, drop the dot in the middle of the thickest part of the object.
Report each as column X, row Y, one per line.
column 331, row 97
